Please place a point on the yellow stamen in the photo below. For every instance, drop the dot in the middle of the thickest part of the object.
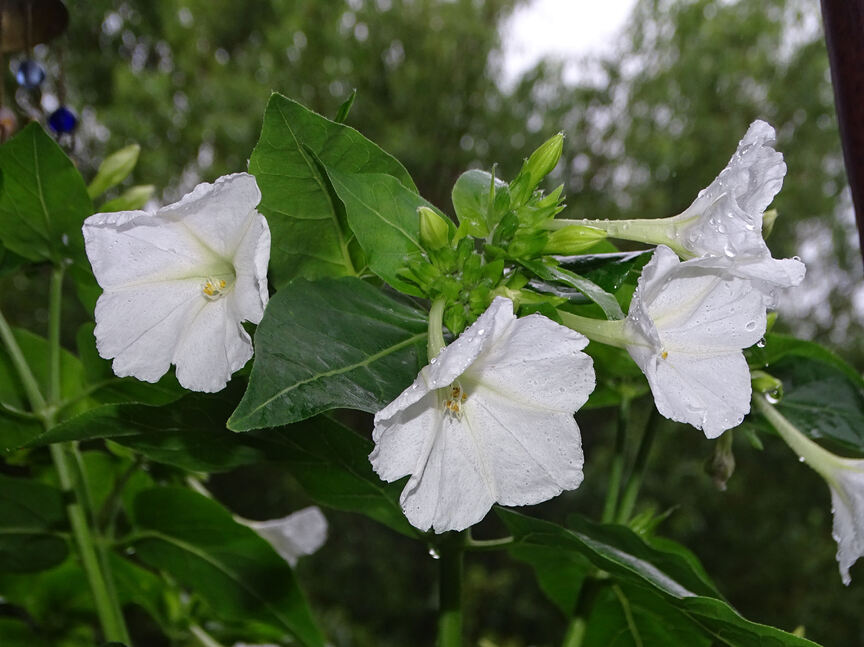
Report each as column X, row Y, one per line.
column 664, row 354
column 214, row 288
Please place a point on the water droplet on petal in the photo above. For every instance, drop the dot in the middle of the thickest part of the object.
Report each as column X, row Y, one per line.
column 750, row 325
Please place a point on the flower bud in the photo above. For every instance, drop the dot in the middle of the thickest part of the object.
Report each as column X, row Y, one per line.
column 573, row 239
column 535, row 168
column 114, row 169
column 768, row 220
column 454, row 318
column 762, row 382
column 434, row 230
column 721, row 465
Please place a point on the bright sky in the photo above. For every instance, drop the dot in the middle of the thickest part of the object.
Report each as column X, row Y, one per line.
column 561, row 28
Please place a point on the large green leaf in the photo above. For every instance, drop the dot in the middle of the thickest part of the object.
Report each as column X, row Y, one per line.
column 189, row 434
column 822, row 395
column 43, row 199
column 335, row 343
column 30, row 514
column 331, row 463
column 231, row 568
column 658, row 592
column 310, row 236
column 382, row 212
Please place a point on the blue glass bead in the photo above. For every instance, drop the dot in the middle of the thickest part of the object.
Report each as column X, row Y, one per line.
column 30, row 74
column 62, row 120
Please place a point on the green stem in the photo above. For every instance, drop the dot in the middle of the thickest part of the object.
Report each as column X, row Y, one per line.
column 65, row 457
column 617, row 469
column 109, row 615
column 435, row 339
column 55, row 300
column 576, row 628
column 450, row 591
column 31, row 387
column 821, row 460
column 612, row 333
column 485, row 545
column 203, row 637
column 631, row 490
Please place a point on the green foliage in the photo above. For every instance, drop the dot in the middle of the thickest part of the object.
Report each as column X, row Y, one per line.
column 331, row 464
column 43, row 201
column 228, row 565
column 332, row 343
column 382, row 213
column 668, row 600
column 310, row 237
column 30, row 513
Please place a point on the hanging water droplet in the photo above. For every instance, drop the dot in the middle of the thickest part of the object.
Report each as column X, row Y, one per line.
column 761, row 343
column 773, row 396
column 433, row 553
column 801, row 459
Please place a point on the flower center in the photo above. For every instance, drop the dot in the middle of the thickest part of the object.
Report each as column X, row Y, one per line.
column 456, row 397
column 216, row 286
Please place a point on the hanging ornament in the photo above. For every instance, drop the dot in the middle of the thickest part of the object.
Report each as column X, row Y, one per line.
column 62, row 121
column 29, row 74
column 24, row 23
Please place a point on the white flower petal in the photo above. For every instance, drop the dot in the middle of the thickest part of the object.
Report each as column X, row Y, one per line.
column 499, row 429
column 134, row 248
column 709, row 392
column 725, row 220
column 218, row 214
column 401, row 438
column 138, row 326
column 530, row 453
column 251, row 258
column 211, row 346
column 847, row 504
column 450, row 488
column 300, row 533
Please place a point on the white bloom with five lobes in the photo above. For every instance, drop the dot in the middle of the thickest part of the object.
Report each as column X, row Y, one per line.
column 724, row 223
column 687, row 326
column 176, row 284
column 489, row 420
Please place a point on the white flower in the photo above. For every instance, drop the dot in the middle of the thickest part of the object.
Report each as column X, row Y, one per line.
column 847, row 502
column 686, row 328
column 177, row 283
column 489, row 420
column 724, row 223
column 300, row 533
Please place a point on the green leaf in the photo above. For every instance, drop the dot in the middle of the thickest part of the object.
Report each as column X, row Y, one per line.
column 306, row 219
column 659, row 591
column 231, row 568
column 330, row 344
column 547, row 269
column 43, row 201
column 113, row 170
column 17, row 633
column 608, row 271
column 331, row 463
column 131, row 199
column 822, row 395
column 383, row 215
column 189, row 434
column 30, row 512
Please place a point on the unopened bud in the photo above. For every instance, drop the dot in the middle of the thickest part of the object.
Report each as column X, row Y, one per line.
column 114, row 169
column 721, row 465
column 573, row 239
column 768, row 385
column 434, row 230
column 535, row 168
column 454, row 318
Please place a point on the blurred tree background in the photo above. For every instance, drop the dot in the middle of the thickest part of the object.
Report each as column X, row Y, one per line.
column 647, row 126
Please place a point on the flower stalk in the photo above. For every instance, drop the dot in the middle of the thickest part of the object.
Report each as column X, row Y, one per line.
column 451, row 551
